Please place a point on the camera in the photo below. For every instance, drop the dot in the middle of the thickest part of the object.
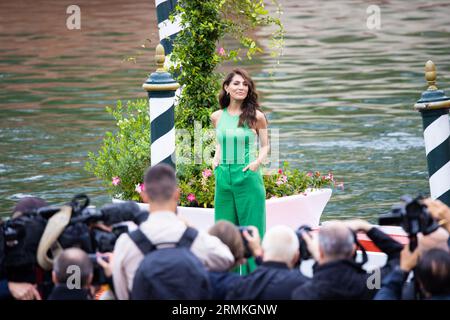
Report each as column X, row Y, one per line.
column 247, row 252
column 99, row 276
column 304, row 252
column 21, row 236
column 412, row 216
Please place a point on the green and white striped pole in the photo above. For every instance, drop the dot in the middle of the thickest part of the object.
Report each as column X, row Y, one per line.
column 167, row 30
column 434, row 107
column 161, row 88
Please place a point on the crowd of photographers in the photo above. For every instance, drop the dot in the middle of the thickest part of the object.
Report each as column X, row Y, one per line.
column 121, row 252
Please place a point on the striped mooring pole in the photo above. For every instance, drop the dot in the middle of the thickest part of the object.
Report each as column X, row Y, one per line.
column 167, row 30
column 434, row 107
column 161, row 88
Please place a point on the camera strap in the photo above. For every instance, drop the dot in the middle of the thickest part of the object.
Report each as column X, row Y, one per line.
column 54, row 228
column 360, row 247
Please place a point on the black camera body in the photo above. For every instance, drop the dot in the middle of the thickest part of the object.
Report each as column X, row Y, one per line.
column 247, row 252
column 21, row 240
column 303, row 248
column 22, row 235
column 412, row 216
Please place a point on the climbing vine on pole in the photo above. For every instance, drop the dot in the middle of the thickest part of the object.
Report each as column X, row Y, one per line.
column 197, row 49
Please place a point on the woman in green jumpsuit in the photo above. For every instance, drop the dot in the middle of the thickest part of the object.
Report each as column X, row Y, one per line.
column 240, row 193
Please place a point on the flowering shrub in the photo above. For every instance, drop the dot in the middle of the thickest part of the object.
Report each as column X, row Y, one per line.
column 125, row 154
column 198, row 190
column 287, row 182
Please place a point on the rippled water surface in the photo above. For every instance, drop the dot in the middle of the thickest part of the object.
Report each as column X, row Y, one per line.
column 341, row 95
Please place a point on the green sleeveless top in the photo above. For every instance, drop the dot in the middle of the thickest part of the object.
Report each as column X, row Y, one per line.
column 237, row 143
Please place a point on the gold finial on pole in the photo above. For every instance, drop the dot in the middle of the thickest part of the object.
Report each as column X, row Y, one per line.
column 160, row 57
column 430, row 75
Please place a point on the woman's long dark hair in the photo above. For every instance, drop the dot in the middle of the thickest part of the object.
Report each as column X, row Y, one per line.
column 250, row 103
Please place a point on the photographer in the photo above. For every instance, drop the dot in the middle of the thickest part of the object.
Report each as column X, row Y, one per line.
column 439, row 211
column 14, row 290
column 229, row 234
column 72, row 275
column 435, row 240
column 336, row 274
column 432, row 270
column 163, row 225
column 22, row 282
column 274, row 279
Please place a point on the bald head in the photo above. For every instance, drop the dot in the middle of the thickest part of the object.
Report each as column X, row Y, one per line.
column 336, row 241
column 73, row 259
column 281, row 244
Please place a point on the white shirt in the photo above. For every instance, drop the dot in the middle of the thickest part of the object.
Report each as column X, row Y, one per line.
column 164, row 226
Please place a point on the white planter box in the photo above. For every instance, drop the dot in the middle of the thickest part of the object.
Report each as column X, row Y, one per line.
column 292, row 211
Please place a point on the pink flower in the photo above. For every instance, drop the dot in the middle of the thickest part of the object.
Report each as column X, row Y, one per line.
column 139, row 187
column 309, row 174
column 329, row 177
column 281, row 180
column 115, row 181
column 221, row 51
column 280, row 171
column 191, row 197
column 206, row 173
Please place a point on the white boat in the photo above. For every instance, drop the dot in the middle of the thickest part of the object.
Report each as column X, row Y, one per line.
column 294, row 211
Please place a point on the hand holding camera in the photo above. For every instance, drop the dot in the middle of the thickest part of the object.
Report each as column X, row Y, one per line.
column 105, row 260
column 413, row 216
column 252, row 241
column 439, row 211
column 309, row 246
column 359, row 225
column 408, row 259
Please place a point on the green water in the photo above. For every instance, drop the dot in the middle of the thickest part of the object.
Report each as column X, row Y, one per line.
column 341, row 96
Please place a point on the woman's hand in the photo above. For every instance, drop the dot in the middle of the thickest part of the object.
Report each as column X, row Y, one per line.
column 252, row 166
column 215, row 163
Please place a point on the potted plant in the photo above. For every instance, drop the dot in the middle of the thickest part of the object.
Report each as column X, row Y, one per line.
column 293, row 197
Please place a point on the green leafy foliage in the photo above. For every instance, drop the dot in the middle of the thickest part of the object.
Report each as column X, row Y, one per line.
column 196, row 49
column 287, row 182
column 198, row 189
column 125, row 153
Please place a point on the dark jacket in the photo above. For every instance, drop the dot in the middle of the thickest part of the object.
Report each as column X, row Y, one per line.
column 270, row 281
column 221, row 282
column 346, row 279
column 4, row 290
column 393, row 287
column 61, row 292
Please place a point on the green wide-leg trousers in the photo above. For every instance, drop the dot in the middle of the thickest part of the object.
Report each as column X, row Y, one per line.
column 240, row 197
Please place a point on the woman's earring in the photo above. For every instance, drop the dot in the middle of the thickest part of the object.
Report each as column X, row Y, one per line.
column 228, row 93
